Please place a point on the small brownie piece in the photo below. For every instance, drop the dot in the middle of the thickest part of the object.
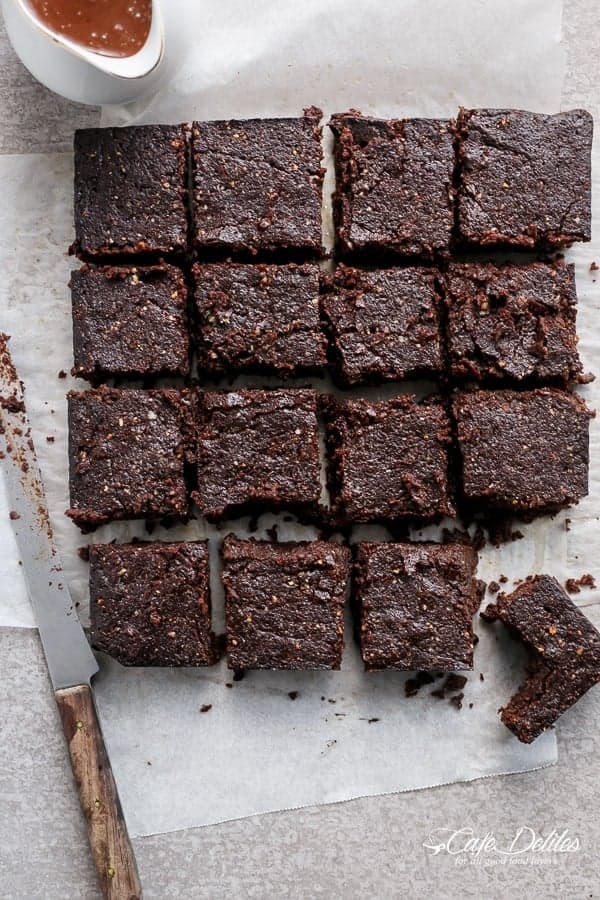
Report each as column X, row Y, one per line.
column 257, row 450
column 258, row 318
column 129, row 322
column 525, row 451
column 564, row 652
column 383, row 325
column 388, row 460
column 525, row 178
column 512, row 322
column 130, row 190
column 415, row 604
column 258, row 185
column 150, row 604
column 394, row 190
column 127, row 450
column 284, row 604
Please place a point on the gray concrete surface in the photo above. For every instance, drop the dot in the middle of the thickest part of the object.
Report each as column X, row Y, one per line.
column 366, row 848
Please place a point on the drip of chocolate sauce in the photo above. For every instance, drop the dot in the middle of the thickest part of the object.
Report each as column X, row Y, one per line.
column 110, row 27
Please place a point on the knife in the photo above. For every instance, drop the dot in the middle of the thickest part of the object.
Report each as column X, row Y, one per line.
column 71, row 662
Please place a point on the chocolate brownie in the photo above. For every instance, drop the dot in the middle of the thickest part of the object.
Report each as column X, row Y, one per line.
column 564, row 650
column 258, row 185
column 127, row 450
column 383, row 325
column 258, row 318
column 512, row 322
column 394, row 190
column 130, row 190
column 525, row 178
column 525, row 451
column 258, row 450
column 388, row 460
column 284, row 604
column 415, row 604
column 129, row 322
column 150, row 604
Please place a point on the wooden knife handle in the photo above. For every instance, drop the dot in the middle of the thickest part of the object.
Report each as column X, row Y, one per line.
column 111, row 849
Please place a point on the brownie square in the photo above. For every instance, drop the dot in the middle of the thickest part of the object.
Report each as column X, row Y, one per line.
column 129, row 322
column 127, row 450
column 284, row 604
column 512, row 322
column 130, row 190
column 564, row 651
column 525, row 178
column 383, row 325
column 258, row 318
column 257, row 450
column 525, row 451
column 415, row 605
column 150, row 604
column 394, row 191
column 388, row 460
column 258, row 185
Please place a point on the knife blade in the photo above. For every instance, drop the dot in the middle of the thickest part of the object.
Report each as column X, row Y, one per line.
column 70, row 660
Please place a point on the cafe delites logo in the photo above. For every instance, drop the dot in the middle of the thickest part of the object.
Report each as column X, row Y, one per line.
column 524, row 846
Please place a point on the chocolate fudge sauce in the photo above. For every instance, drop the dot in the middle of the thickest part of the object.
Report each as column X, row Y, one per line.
column 110, row 27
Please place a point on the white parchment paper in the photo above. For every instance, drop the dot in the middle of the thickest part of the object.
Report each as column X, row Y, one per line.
column 346, row 734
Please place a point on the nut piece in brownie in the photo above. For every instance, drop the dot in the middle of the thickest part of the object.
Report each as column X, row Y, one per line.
column 512, row 322
column 388, row 460
column 415, row 604
column 383, row 325
column 284, row 604
column 258, row 318
column 130, row 190
column 525, row 451
column 525, row 178
column 564, row 652
column 258, row 185
column 257, row 450
column 394, row 192
column 150, row 604
column 127, row 450
column 129, row 322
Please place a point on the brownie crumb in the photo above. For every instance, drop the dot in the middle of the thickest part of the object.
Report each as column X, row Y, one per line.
column 292, row 694
column 574, row 585
column 413, row 685
column 13, row 515
column 228, row 684
column 273, row 532
column 493, row 587
column 454, row 683
column 50, row 439
column 205, row 707
column 470, row 706
column 457, row 700
column 62, row 374
column 238, row 675
column 503, row 579
column 373, row 719
column 84, row 553
column 451, row 685
column 481, row 677
column 594, row 266
column 567, row 524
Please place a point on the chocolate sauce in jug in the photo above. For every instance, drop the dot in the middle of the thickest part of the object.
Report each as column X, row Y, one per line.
column 110, row 27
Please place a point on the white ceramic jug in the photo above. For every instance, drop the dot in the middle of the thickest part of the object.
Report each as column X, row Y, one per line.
column 78, row 73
